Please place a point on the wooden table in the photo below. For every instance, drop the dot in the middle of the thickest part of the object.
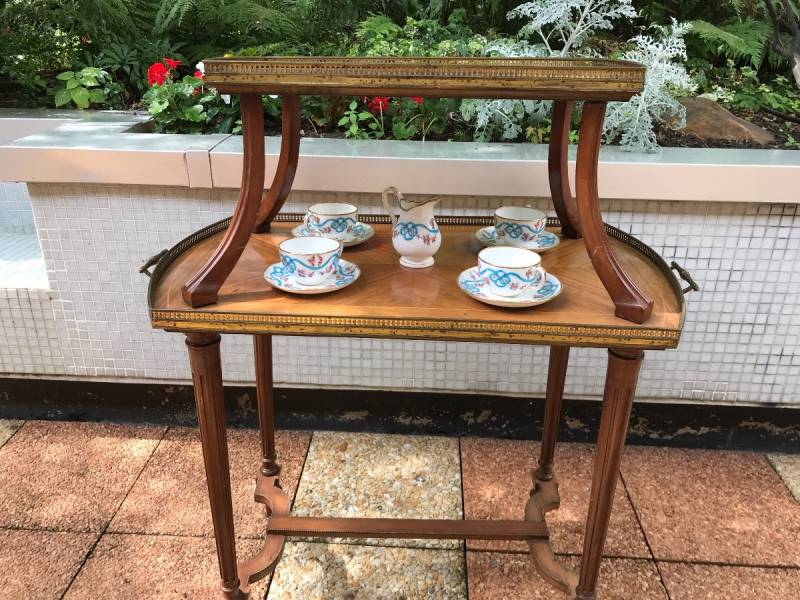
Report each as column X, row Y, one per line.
column 618, row 293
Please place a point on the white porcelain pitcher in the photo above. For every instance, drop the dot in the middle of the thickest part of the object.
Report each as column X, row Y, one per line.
column 415, row 234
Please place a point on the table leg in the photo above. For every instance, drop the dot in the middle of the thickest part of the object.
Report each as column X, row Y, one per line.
column 558, row 169
column 621, row 376
column 556, row 375
column 204, row 359
column 262, row 345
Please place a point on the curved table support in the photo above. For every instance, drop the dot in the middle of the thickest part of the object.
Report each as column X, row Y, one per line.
column 203, row 288
column 544, row 498
column 558, row 169
column 275, row 196
column 630, row 302
column 270, row 494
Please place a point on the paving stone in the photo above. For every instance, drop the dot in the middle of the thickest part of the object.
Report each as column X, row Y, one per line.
column 714, row 582
column 390, row 476
column 313, row 571
column 144, row 567
column 713, row 506
column 40, row 564
column 171, row 495
column 70, row 476
column 7, row 429
column 498, row 576
column 497, row 484
column 788, row 467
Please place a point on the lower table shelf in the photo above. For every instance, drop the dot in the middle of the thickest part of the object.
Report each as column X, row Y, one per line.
column 389, row 300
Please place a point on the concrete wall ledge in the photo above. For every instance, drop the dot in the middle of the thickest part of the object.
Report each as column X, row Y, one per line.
column 106, row 149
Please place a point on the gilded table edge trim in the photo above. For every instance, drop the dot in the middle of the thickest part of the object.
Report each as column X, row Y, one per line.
column 488, row 331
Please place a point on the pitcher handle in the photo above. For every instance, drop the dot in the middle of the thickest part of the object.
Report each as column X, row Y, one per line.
column 387, row 205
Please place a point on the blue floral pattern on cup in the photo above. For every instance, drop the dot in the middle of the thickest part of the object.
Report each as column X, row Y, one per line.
column 315, row 263
column 513, row 281
column 516, row 231
column 337, row 224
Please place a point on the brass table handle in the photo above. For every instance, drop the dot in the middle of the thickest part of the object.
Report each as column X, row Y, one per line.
column 152, row 261
column 687, row 277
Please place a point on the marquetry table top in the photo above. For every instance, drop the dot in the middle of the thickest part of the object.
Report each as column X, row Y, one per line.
column 389, row 300
column 453, row 77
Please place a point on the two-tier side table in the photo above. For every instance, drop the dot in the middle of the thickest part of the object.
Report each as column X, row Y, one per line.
column 618, row 293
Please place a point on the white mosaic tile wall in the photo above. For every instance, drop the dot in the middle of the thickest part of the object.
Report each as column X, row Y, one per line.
column 741, row 341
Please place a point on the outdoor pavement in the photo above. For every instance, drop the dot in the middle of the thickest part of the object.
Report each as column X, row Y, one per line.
column 95, row 510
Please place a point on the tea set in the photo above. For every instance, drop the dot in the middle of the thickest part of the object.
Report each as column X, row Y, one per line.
column 509, row 272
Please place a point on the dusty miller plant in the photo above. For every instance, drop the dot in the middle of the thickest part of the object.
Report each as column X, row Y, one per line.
column 561, row 28
column 554, row 28
column 632, row 122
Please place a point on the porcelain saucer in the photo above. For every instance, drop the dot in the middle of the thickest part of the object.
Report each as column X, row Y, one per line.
column 361, row 233
column 545, row 241
column 345, row 274
column 471, row 284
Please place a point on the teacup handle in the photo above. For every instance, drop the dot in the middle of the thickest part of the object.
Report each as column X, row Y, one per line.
column 387, row 205
column 542, row 276
column 305, row 220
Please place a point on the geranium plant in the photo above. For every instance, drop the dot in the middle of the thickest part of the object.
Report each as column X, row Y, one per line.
column 177, row 103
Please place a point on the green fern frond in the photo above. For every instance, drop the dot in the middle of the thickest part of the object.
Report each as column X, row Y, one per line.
column 170, row 14
column 740, row 40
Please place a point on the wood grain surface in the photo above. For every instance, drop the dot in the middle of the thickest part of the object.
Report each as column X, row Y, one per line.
column 389, row 300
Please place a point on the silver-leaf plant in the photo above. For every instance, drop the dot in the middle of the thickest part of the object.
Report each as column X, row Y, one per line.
column 561, row 28
column 632, row 122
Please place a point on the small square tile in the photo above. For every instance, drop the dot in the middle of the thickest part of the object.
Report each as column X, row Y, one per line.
column 715, row 582
column 40, row 564
column 7, row 428
column 171, row 497
column 494, row 575
column 788, row 467
column 497, row 484
column 703, row 505
column 145, row 567
column 70, row 476
column 313, row 571
column 389, row 476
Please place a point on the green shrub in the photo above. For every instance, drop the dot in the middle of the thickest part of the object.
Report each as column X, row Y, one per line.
column 91, row 86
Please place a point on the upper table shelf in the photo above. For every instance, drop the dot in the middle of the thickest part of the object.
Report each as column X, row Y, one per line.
column 391, row 301
column 449, row 77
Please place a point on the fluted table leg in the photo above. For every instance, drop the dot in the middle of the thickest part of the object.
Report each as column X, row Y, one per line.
column 621, row 377
column 204, row 359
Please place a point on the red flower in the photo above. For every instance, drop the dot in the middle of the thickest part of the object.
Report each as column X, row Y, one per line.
column 157, row 73
column 173, row 64
column 379, row 103
column 198, row 74
column 417, row 99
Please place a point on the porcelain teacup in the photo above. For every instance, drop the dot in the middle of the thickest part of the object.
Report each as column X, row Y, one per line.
column 509, row 271
column 333, row 220
column 310, row 260
column 518, row 225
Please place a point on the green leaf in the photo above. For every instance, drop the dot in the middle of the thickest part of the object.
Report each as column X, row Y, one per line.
column 80, row 96
column 157, row 106
column 739, row 40
column 97, row 96
column 353, row 105
column 66, row 75
column 62, row 97
column 363, row 116
column 72, row 83
column 344, row 120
